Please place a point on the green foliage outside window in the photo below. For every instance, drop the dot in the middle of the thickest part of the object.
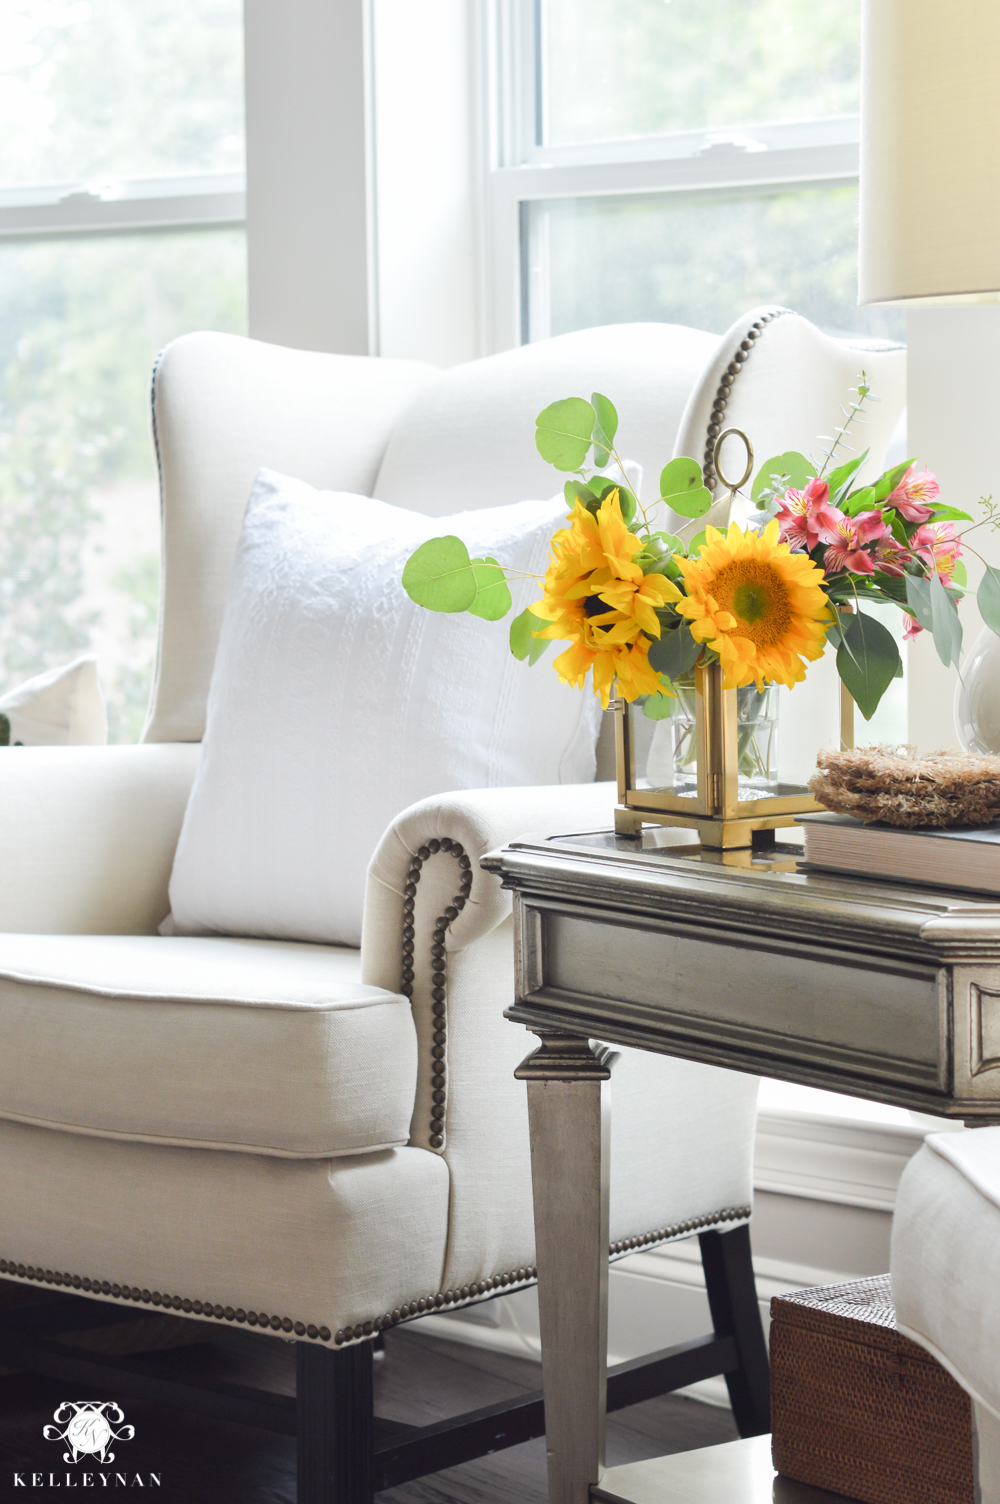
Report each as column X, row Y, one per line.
column 93, row 91
column 649, row 67
column 81, row 322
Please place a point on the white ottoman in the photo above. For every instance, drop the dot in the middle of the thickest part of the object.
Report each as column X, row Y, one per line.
column 945, row 1267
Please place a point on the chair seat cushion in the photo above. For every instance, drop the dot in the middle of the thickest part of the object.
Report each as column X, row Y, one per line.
column 269, row 1047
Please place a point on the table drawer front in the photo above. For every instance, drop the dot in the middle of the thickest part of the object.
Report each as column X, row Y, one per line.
column 862, row 1013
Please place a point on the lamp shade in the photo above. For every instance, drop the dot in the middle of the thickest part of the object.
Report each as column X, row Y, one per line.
column 930, row 152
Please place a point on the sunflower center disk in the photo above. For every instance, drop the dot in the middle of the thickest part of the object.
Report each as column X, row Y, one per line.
column 754, row 592
column 594, row 606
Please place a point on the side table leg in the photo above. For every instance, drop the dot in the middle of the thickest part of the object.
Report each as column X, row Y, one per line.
column 569, row 1122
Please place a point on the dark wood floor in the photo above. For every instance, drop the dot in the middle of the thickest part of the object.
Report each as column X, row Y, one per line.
column 420, row 1379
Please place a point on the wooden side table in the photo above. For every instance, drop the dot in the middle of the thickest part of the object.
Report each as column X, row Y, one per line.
column 884, row 991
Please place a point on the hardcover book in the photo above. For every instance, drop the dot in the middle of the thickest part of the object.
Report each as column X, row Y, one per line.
column 962, row 858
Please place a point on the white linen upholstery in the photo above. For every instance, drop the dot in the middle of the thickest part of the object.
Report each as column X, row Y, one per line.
column 324, row 1243
column 336, row 703
column 682, row 1135
column 89, row 835
column 222, row 408
column 468, row 439
column 63, row 707
column 945, row 1236
column 222, row 1044
column 775, row 403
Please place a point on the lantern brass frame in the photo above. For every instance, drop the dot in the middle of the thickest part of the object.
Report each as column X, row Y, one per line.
column 722, row 820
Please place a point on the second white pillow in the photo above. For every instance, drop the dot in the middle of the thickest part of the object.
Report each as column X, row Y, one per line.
column 336, row 703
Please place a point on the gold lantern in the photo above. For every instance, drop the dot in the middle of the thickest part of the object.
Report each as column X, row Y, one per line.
column 719, row 776
column 725, row 805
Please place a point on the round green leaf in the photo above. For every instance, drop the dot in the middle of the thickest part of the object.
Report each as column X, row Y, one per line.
column 563, row 432
column 493, row 598
column 682, row 489
column 675, row 652
column 798, row 469
column 439, row 575
column 523, row 643
column 605, row 427
column 659, row 707
column 578, row 490
column 680, row 475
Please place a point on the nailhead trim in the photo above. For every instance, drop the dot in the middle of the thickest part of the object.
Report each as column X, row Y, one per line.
column 363, row 1329
column 439, row 968
column 163, row 1302
column 735, row 366
column 414, row 1308
column 664, row 1234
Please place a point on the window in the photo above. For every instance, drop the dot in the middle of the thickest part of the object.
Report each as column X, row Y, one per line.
column 680, row 160
column 121, row 210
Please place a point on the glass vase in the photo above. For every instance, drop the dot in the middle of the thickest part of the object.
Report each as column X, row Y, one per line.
column 672, row 760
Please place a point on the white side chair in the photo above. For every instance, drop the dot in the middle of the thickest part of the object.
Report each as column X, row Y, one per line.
column 945, row 1235
column 309, row 1140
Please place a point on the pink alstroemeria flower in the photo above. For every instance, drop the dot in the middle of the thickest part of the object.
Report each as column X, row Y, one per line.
column 802, row 515
column 890, row 556
column 911, row 628
column 845, row 541
column 937, row 545
column 911, row 496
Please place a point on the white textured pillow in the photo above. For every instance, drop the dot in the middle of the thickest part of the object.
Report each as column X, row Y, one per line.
column 61, row 708
column 336, row 703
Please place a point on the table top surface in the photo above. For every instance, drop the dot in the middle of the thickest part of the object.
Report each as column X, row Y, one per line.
column 674, row 854
column 668, row 869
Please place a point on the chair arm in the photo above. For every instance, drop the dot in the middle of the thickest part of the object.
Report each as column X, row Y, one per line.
column 89, row 836
column 479, row 821
column 683, row 1133
column 467, row 1107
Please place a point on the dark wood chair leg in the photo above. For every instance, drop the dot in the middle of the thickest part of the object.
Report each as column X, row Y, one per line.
column 334, row 1424
column 732, row 1299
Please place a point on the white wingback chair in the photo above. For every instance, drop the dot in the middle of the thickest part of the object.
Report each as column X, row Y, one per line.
column 306, row 1139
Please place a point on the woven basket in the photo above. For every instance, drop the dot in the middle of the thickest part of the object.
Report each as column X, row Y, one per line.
column 860, row 1410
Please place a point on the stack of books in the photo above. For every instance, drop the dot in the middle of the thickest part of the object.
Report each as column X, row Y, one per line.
column 963, row 858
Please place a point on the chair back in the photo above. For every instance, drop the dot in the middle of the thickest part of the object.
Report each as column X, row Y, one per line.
column 444, row 442
column 224, row 406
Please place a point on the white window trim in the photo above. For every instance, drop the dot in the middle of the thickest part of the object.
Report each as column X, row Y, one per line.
column 747, row 158
column 125, row 206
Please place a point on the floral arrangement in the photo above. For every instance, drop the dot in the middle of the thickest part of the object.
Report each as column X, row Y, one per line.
column 639, row 608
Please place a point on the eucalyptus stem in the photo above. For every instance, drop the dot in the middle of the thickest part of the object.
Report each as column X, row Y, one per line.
column 863, row 390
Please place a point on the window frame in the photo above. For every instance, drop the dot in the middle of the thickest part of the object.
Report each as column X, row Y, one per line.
column 747, row 158
column 38, row 211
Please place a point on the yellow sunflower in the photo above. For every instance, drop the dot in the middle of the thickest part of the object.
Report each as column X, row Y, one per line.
column 759, row 606
column 599, row 599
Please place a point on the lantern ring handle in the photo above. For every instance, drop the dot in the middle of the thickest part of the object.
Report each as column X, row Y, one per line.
column 734, row 485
